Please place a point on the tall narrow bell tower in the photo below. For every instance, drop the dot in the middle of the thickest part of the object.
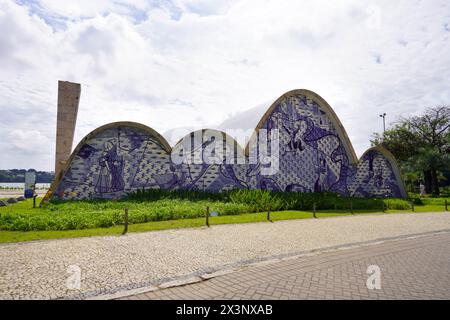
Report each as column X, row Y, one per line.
column 68, row 101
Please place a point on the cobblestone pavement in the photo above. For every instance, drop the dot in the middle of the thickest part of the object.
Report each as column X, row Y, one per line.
column 114, row 264
column 416, row 268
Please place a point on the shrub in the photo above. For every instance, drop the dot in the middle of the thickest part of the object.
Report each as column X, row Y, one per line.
column 397, row 204
column 158, row 205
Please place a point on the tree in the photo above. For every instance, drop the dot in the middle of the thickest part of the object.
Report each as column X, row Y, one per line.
column 400, row 140
column 432, row 162
column 421, row 143
column 18, row 175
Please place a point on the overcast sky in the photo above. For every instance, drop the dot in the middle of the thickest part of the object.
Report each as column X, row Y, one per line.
column 170, row 64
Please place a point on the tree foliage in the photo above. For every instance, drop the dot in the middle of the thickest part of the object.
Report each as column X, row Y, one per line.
column 422, row 146
column 18, row 175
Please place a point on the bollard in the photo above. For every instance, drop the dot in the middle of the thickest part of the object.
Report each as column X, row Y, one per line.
column 268, row 216
column 446, row 205
column 125, row 227
column 412, row 206
column 207, row 217
column 351, row 207
column 314, row 210
column 34, row 200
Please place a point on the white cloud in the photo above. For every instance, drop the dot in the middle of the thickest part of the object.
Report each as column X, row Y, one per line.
column 195, row 63
column 29, row 141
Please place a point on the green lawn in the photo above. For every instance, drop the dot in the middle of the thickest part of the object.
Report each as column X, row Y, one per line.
column 19, row 236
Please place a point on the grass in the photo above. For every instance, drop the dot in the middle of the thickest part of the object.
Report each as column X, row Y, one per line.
column 159, row 210
column 261, row 200
column 15, row 236
column 73, row 215
column 77, row 215
column 20, row 236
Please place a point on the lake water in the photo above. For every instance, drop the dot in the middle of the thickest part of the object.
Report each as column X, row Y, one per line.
column 21, row 185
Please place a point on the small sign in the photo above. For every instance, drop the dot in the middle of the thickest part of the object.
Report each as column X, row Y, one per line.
column 214, row 214
column 30, row 182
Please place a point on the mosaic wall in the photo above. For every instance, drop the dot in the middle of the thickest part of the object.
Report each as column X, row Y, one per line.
column 312, row 158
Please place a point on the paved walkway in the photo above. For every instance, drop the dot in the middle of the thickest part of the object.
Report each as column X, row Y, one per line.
column 115, row 264
column 416, row 268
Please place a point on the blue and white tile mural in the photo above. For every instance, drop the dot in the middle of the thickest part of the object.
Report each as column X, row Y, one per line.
column 299, row 146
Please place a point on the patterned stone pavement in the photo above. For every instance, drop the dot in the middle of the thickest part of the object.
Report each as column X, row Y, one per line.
column 411, row 268
column 115, row 265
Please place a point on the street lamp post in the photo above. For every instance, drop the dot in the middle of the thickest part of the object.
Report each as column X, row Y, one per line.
column 384, row 121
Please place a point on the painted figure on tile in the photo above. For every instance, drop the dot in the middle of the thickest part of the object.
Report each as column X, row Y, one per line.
column 111, row 167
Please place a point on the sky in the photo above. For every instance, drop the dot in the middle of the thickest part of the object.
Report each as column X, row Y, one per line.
column 197, row 63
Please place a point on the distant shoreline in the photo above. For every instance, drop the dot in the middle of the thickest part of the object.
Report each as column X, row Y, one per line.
column 13, row 193
column 20, row 186
column 16, row 189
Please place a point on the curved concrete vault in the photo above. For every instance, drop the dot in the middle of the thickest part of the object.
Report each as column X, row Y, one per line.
column 315, row 154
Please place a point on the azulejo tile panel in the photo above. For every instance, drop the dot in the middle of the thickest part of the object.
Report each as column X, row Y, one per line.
column 314, row 155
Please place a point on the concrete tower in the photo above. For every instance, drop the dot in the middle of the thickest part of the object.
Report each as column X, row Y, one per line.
column 68, row 101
